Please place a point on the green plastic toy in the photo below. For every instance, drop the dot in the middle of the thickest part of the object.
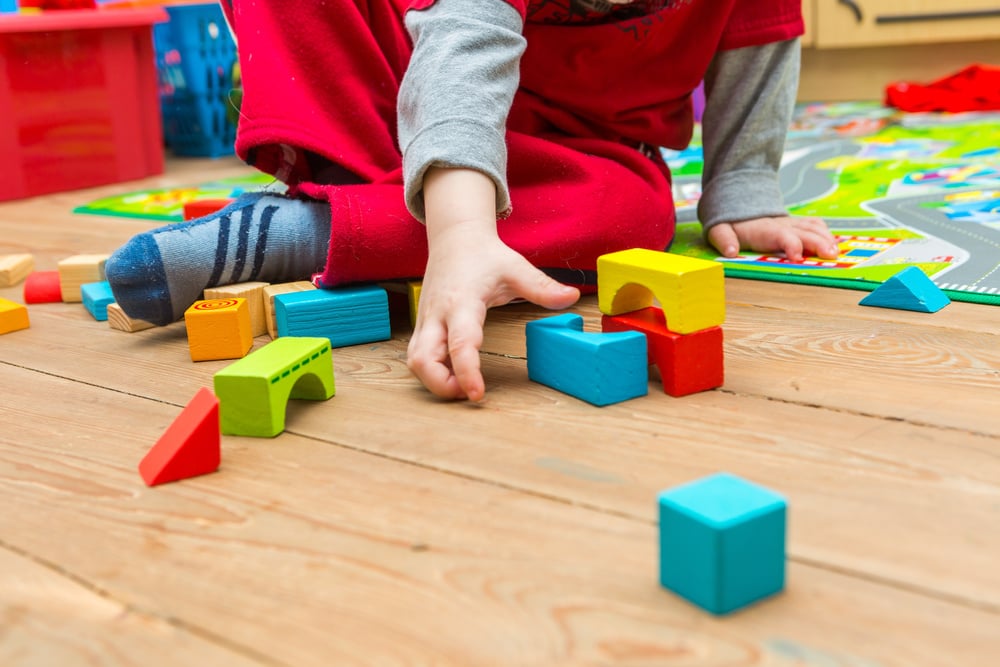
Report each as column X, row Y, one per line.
column 254, row 391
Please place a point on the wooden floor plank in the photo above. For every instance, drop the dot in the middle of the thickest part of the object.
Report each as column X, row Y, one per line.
column 386, row 527
column 48, row 618
column 316, row 555
column 890, row 485
column 896, row 369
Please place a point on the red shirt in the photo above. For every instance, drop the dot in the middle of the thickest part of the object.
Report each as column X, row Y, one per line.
column 625, row 72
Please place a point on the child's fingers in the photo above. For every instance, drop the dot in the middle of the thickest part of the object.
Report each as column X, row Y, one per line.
column 821, row 245
column 540, row 289
column 465, row 337
column 427, row 358
column 790, row 242
column 723, row 238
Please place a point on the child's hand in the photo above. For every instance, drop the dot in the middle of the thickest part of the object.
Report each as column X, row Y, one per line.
column 467, row 273
column 469, row 270
column 794, row 237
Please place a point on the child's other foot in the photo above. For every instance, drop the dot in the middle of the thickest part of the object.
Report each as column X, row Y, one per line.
column 157, row 275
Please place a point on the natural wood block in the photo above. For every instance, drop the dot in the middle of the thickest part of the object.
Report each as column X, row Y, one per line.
column 77, row 270
column 218, row 329
column 13, row 316
column 281, row 288
column 117, row 319
column 691, row 291
column 253, row 292
column 15, row 268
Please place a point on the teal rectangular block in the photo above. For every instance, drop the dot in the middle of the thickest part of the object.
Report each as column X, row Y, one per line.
column 600, row 368
column 722, row 542
column 96, row 299
column 345, row 316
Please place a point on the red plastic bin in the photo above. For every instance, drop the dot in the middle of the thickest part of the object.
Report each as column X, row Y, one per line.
column 79, row 104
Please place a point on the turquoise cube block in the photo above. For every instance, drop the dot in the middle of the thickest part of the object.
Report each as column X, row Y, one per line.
column 600, row 368
column 722, row 542
column 345, row 316
column 96, row 299
column 7, row 6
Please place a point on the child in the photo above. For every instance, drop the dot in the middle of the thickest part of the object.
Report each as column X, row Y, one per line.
column 522, row 134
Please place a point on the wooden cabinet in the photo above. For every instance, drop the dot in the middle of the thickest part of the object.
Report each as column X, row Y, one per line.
column 846, row 23
column 852, row 49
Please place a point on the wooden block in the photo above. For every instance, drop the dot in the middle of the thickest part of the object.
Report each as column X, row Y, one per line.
column 688, row 363
column 77, row 270
column 190, row 446
column 96, row 299
column 42, row 287
column 13, row 316
column 403, row 297
column 218, row 329
column 910, row 289
column 413, row 289
column 281, row 288
column 600, row 368
column 253, row 292
column 691, row 291
column 254, row 391
column 15, row 268
column 202, row 207
column 117, row 319
column 344, row 316
column 722, row 542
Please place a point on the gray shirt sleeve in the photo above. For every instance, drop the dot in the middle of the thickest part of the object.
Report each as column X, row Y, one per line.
column 456, row 94
column 750, row 97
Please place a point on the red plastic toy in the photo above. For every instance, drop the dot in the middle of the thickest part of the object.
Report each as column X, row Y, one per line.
column 190, row 446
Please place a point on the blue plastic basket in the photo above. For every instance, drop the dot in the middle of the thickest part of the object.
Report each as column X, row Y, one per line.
column 196, row 59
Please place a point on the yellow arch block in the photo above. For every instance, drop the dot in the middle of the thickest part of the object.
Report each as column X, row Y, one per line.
column 691, row 291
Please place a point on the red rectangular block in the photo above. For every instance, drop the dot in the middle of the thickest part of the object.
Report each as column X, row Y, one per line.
column 688, row 363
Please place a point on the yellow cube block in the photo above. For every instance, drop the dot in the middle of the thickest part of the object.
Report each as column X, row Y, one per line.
column 691, row 291
column 218, row 329
column 13, row 316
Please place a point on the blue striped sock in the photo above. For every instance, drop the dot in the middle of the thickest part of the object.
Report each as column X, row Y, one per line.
column 157, row 275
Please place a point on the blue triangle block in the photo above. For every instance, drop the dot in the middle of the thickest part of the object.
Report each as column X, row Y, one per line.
column 910, row 289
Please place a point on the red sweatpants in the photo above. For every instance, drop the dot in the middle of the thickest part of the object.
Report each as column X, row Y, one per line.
column 323, row 77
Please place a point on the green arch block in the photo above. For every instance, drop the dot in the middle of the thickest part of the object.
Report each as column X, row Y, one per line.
column 254, row 391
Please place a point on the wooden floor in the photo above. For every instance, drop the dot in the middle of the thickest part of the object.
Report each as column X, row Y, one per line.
column 387, row 528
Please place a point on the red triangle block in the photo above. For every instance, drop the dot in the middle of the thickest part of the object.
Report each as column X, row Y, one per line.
column 189, row 447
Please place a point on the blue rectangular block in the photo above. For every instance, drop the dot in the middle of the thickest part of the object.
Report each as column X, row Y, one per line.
column 600, row 368
column 722, row 542
column 345, row 316
column 96, row 299
column 8, row 6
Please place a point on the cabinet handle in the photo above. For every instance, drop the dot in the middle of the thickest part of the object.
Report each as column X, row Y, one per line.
column 945, row 16
column 854, row 8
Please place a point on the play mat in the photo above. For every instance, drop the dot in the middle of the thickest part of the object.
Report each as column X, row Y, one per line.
column 896, row 190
